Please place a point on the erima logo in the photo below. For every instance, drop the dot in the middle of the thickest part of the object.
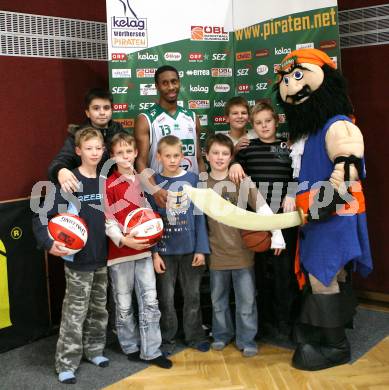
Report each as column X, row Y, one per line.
column 148, row 56
column 198, row 88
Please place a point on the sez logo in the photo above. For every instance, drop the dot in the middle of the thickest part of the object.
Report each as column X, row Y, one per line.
column 208, row 33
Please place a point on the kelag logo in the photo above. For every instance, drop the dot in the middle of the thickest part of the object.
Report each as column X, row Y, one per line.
column 128, row 32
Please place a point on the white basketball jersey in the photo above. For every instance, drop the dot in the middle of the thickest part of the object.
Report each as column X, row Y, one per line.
column 183, row 125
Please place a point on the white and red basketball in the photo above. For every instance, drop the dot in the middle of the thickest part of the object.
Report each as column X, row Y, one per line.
column 69, row 229
column 145, row 223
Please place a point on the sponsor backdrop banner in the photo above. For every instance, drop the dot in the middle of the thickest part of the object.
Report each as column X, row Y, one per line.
column 24, row 312
column 221, row 48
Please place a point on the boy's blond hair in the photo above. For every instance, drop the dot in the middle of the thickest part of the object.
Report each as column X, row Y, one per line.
column 170, row 140
column 86, row 134
column 122, row 138
column 262, row 106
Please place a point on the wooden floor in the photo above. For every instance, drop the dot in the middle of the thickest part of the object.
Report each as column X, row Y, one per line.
column 270, row 369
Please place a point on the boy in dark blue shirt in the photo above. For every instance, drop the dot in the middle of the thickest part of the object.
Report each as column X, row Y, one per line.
column 180, row 253
column 84, row 315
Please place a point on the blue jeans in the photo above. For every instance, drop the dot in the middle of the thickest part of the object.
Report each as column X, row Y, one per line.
column 246, row 317
column 190, row 278
column 138, row 275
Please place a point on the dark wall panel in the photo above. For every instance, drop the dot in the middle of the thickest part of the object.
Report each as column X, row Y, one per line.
column 39, row 98
column 86, row 10
column 367, row 79
column 367, row 84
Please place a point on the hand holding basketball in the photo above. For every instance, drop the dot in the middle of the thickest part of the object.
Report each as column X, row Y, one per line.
column 57, row 249
column 132, row 242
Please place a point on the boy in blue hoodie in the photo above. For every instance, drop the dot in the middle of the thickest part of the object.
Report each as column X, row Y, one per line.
column 180, row 253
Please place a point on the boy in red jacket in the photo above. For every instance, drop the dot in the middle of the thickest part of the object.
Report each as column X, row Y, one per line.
column 129, row 261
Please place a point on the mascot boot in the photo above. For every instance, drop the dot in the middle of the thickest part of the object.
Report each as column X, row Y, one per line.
column 333, row 350
column 324, row 316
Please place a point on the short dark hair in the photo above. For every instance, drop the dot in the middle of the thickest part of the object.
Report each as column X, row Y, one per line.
column 236, row 101
column 165, row 68
column 220, row 139
column 97, row 93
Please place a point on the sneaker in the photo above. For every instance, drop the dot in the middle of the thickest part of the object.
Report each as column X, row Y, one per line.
column 67, row 377
column 134, row 356
column 249, row 352
column 202, row 346
column 218, row 345
column 160, row 361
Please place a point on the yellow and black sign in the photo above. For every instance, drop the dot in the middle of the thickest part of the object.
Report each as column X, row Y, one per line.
column 5, row 319
column 24, row 313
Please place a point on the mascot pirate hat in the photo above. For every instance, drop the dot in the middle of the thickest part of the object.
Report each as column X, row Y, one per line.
column 301, row 56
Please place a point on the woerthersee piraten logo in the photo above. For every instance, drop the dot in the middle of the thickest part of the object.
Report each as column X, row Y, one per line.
column 128, row 31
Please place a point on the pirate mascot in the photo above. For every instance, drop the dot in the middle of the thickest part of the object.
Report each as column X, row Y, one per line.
column 328, row 163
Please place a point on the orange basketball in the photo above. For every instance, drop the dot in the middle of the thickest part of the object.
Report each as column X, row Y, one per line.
column 197, row 33
column 256, row 241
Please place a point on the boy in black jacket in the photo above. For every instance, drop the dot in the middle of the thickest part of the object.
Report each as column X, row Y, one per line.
column 84, row 315
column 98, row 109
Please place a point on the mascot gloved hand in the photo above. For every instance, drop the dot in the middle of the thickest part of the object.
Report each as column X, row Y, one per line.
column 328, row 163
